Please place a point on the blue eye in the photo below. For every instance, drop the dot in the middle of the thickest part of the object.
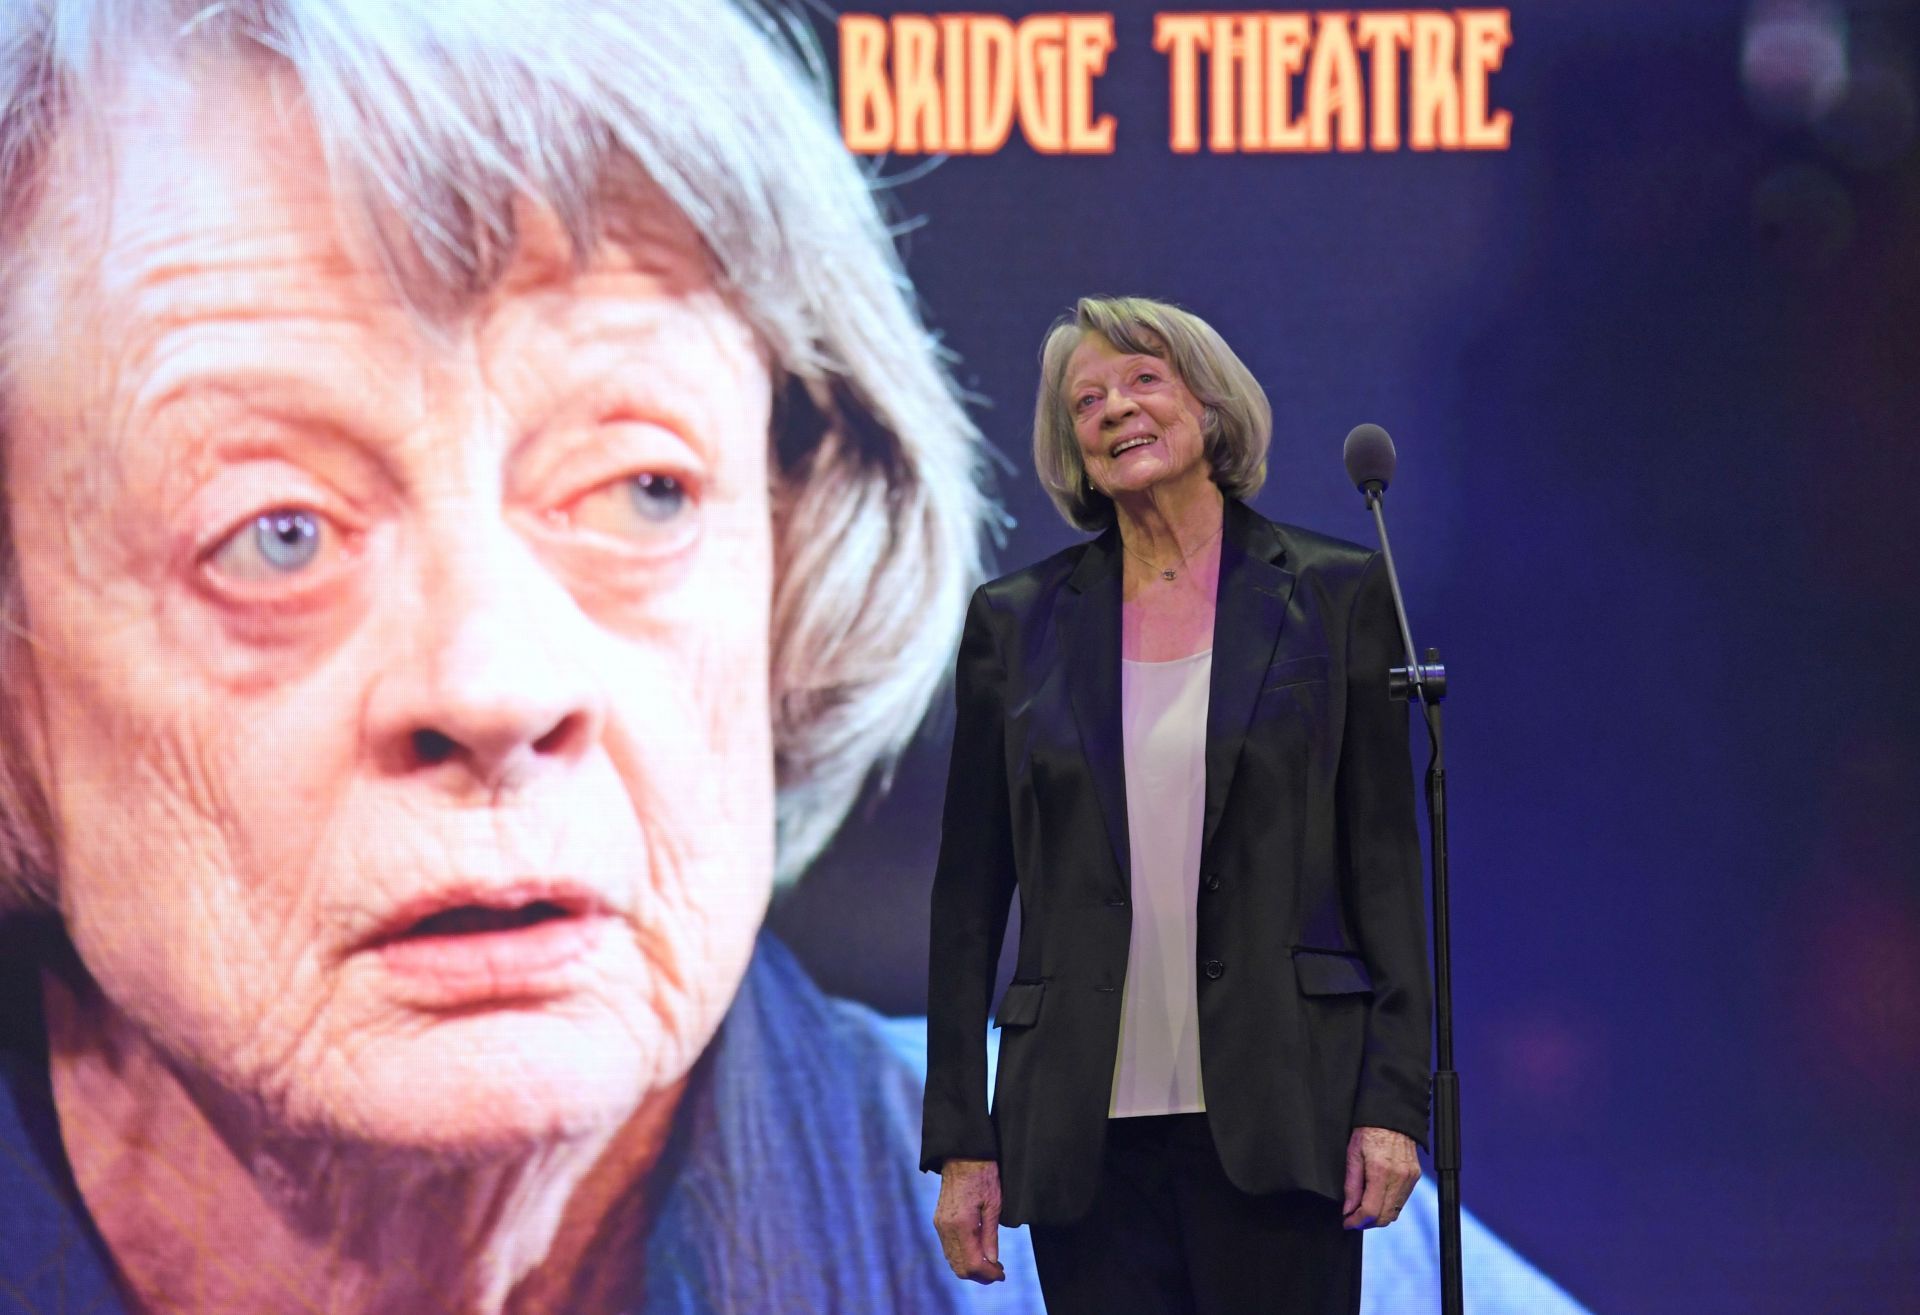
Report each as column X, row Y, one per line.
column 288, row 540
column 658, row 498
column 649, row 509
column 277, row 543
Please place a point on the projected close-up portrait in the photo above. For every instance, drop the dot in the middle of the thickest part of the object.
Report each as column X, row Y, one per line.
column 478, row 503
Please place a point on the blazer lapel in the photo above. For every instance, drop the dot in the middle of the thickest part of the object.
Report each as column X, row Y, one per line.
column 1089, row 620
column 1249, row 610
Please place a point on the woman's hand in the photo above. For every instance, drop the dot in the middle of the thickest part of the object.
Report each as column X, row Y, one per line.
column 1382, row 1167
column 967, row 1217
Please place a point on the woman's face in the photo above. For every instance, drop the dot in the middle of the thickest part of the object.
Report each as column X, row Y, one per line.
column 404, row 697
column 1138, row 424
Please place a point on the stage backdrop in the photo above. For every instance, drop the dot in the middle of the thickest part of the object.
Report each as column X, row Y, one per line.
column 1635, row 286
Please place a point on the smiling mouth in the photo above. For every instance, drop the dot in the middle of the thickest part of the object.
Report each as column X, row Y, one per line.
column 1129, row 444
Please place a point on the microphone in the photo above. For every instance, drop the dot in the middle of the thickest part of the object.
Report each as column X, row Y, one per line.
column 1370, row 459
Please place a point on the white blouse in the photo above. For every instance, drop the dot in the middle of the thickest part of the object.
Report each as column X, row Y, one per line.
column 1163, row 720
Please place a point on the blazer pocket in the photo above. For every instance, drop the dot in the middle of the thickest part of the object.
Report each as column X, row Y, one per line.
column 1295, row 671
column 1325, row 972
column 1020, row 1006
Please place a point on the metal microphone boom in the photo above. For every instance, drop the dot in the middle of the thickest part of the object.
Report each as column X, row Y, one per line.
column 1370, row 460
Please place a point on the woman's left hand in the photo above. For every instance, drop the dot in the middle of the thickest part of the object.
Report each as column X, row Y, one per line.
column 1382, row 1167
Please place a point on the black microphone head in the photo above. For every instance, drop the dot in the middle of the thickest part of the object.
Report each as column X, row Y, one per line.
column 1369, row 455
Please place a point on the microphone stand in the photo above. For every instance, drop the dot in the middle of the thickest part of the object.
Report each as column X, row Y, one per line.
column 1427, row 682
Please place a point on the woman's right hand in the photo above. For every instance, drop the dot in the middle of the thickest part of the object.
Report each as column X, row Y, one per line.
column 967, row 1218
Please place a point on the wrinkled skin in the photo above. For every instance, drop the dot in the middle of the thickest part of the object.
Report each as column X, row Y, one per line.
column 1115, row 397
column 1381, row 1170
column 507, row 651
column 967, row 1219
column 1142, row 441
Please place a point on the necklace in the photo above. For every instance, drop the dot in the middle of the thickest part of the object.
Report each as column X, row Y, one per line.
column 1167, row 572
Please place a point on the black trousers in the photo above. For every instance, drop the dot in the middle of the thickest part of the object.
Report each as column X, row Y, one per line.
column 1169, row 1235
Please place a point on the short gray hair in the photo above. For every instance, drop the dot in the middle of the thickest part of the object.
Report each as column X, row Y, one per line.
column 1238, row 422
column 435, row 118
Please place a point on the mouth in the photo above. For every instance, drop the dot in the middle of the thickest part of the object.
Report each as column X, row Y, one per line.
column 468, row 947
column 483, row 910
column 1129, row 444
column 479, row 920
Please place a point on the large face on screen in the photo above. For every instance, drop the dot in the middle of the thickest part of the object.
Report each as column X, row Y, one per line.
column 1138, row 424
column 404, row 693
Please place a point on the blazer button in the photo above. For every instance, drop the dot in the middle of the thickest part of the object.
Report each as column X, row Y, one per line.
column 1213, row 881
column 1214, row 969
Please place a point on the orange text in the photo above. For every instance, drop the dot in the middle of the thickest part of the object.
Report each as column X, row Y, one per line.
column 959, row 83
column 1266, row 81
column 1335, row 80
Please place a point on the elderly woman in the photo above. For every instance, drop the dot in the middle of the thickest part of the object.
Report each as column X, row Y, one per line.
column 477, row 504
column 1175, row 741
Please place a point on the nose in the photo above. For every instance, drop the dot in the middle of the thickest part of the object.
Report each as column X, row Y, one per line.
column 491, row 685
column 1119, row 406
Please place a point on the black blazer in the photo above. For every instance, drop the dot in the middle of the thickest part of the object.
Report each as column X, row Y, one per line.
column 1311, row 963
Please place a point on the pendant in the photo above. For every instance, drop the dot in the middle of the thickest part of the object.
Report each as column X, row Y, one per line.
column 1166, row 575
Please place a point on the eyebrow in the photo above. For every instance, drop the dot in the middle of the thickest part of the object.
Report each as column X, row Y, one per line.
column 278, row 414
column 290, row 396
column 1082, row 382
column 310, row 388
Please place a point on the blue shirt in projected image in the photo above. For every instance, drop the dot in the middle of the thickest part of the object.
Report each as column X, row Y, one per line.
column 791, row 1184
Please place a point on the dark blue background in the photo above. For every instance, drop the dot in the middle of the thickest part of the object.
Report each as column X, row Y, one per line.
column 1655, row 378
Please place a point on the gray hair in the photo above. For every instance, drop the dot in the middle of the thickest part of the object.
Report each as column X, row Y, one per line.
column 1238, row 423
column 435, row 118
